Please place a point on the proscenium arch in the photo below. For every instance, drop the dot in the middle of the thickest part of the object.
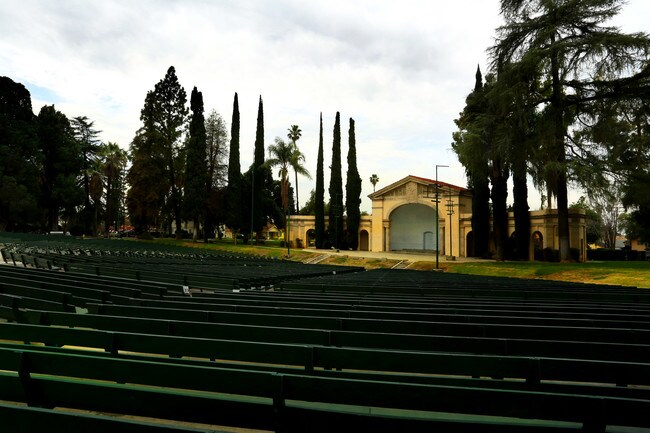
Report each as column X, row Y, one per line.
column 413, row 227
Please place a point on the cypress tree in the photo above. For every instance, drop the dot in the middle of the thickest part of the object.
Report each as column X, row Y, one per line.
column 319, row 199
column 472, row 150
column 234, row 217
column 335, row 224
column 258, row 218
column 194, row 203
column 479, row 185
column 352, row 192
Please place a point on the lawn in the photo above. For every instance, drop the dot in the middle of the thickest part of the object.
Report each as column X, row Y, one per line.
column 621, row 273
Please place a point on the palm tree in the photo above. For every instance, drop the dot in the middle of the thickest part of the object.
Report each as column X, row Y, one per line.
column 373, row 180
column 280, row 155
column 297, row 159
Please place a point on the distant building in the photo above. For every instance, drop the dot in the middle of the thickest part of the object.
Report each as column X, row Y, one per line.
column 404, row 219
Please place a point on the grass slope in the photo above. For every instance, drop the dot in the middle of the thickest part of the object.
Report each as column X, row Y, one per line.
column 617, row 273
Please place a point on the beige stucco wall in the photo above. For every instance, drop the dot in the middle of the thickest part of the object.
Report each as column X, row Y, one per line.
column 299, row 225
column 453, row 229
column 408, row 192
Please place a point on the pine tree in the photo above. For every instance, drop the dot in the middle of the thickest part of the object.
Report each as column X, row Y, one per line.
column 164, row 116
column 196, row 183
column 577, row 61
column 234, row 197
column 88, row 138
column 352, row 193
column 335, row 226
column 319, row 200
column 258, row 173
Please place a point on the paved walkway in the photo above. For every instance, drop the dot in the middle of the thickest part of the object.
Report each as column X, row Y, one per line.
column 395, row 255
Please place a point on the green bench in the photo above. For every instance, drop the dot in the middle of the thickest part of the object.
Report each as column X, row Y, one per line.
column 21, row 419
column 531, row 369
column 274, row 401
column 460, row 328
column 93, row 281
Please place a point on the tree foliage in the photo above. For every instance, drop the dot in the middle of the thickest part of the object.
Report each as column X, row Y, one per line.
column 576, row 61
column 61, row 164
column 113, row 162
column 89, row 145
column 335, row 225
column 319, row 201
column 483, row 157
column 280, row 154
column 297, row 159
column 217, row 165
column 19, row 157
column 148, row 188
column 197, row 180
column 234, row 193
column 259, row 181
column 374, row 179
column 352, row 192
column 163, row 116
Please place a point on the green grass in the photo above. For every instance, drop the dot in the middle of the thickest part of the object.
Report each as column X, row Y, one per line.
column 269, row 249
column 619, row 273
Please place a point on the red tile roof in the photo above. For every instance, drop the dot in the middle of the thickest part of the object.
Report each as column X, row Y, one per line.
column 441, row 183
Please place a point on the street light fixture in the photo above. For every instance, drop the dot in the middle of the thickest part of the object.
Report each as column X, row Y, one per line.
column 437, row 227
column 450, row 212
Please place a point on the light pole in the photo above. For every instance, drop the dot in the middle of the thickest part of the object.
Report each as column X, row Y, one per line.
column 437, row 228
column 450, row 212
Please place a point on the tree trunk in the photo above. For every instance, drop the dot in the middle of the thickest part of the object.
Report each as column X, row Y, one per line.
column 176, row 205
column 481, row 216
column 499, row 210
column 108, row 215
column 297, row 200
column 522, row 216
column 558, row 152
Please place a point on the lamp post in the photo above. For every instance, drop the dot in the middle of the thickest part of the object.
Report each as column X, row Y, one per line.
column 437, row 228
column 450, row 212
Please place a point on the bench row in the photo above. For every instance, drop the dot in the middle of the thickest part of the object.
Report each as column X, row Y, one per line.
column 310, row 356
column 272, row 401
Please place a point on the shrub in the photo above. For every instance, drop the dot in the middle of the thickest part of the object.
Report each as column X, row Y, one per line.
column 603, row 254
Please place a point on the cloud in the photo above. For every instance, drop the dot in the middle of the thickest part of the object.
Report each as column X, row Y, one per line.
column 402, row 69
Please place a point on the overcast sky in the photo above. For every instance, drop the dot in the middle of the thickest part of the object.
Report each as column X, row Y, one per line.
column 401, row 69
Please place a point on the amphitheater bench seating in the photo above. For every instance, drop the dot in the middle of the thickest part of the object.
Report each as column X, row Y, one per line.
column 309, row 350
